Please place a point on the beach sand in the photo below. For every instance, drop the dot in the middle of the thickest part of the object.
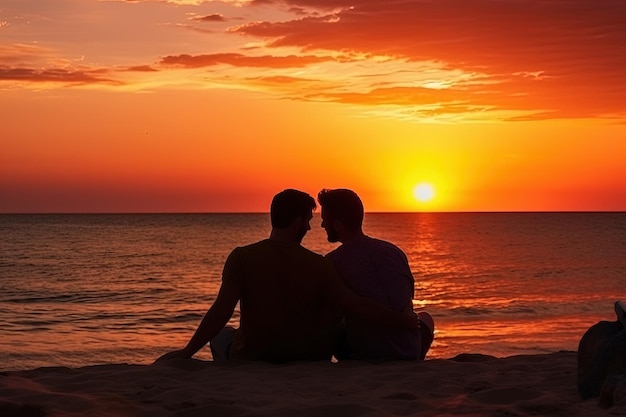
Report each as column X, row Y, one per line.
column 468, row 385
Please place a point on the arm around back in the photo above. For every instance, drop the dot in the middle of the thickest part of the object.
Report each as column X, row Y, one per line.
column 348, row 301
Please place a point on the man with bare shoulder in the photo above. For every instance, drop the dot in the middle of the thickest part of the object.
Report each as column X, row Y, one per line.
column 289, row 297
column 377, row 270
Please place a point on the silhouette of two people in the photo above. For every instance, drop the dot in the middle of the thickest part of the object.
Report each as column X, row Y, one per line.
column 298, row 305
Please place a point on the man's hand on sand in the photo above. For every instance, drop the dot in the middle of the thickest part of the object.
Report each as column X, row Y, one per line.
column 177, row 354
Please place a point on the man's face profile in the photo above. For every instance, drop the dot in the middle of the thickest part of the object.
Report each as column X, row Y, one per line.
column 328, row 224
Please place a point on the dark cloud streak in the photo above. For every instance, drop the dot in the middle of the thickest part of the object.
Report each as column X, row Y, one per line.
column 239, row 60
column 141, row 68
column 216, row 17
column 54, row 75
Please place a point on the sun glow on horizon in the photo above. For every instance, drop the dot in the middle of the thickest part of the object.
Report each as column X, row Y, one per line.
column 424, row 192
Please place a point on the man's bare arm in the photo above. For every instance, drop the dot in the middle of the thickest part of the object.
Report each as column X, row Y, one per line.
column 214, row 320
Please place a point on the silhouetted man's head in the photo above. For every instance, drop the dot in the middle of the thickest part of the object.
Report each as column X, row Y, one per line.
column 289, row 205
column 342, row 206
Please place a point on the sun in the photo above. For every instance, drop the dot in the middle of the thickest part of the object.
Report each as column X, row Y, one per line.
column 424, row 192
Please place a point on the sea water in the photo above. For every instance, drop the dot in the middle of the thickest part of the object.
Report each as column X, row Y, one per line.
column 90, row 289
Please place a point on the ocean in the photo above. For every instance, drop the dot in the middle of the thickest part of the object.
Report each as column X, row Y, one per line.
column 87, row 289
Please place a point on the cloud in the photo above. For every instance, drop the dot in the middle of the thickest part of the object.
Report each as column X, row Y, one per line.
column 54, row 76
column 365, row 80
column 142, row 68
column 181, row 2
column 576, row 46
column 215, row 17
column 21, row 52
column 239, row 60
column 514, row 59
column 32, row 64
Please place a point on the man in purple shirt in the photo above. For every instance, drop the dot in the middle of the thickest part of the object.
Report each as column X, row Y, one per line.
column 374, row 269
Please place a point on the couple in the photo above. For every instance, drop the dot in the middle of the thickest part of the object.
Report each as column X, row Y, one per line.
column 355, row 303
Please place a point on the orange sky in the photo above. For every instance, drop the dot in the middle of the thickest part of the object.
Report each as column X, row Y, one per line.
column 207, row 106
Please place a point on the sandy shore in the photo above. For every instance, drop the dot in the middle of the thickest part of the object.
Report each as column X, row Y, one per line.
column 534, row 385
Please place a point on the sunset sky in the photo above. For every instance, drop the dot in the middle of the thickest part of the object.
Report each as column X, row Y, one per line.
column 213, row 106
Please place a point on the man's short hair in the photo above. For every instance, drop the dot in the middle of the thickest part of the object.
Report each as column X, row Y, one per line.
column 343, row 205
column 288, row 205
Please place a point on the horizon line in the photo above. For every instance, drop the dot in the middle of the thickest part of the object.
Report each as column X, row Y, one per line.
column 315, row 212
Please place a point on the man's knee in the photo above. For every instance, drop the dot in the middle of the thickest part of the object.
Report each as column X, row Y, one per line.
column 220, row 345
column 427, row 332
